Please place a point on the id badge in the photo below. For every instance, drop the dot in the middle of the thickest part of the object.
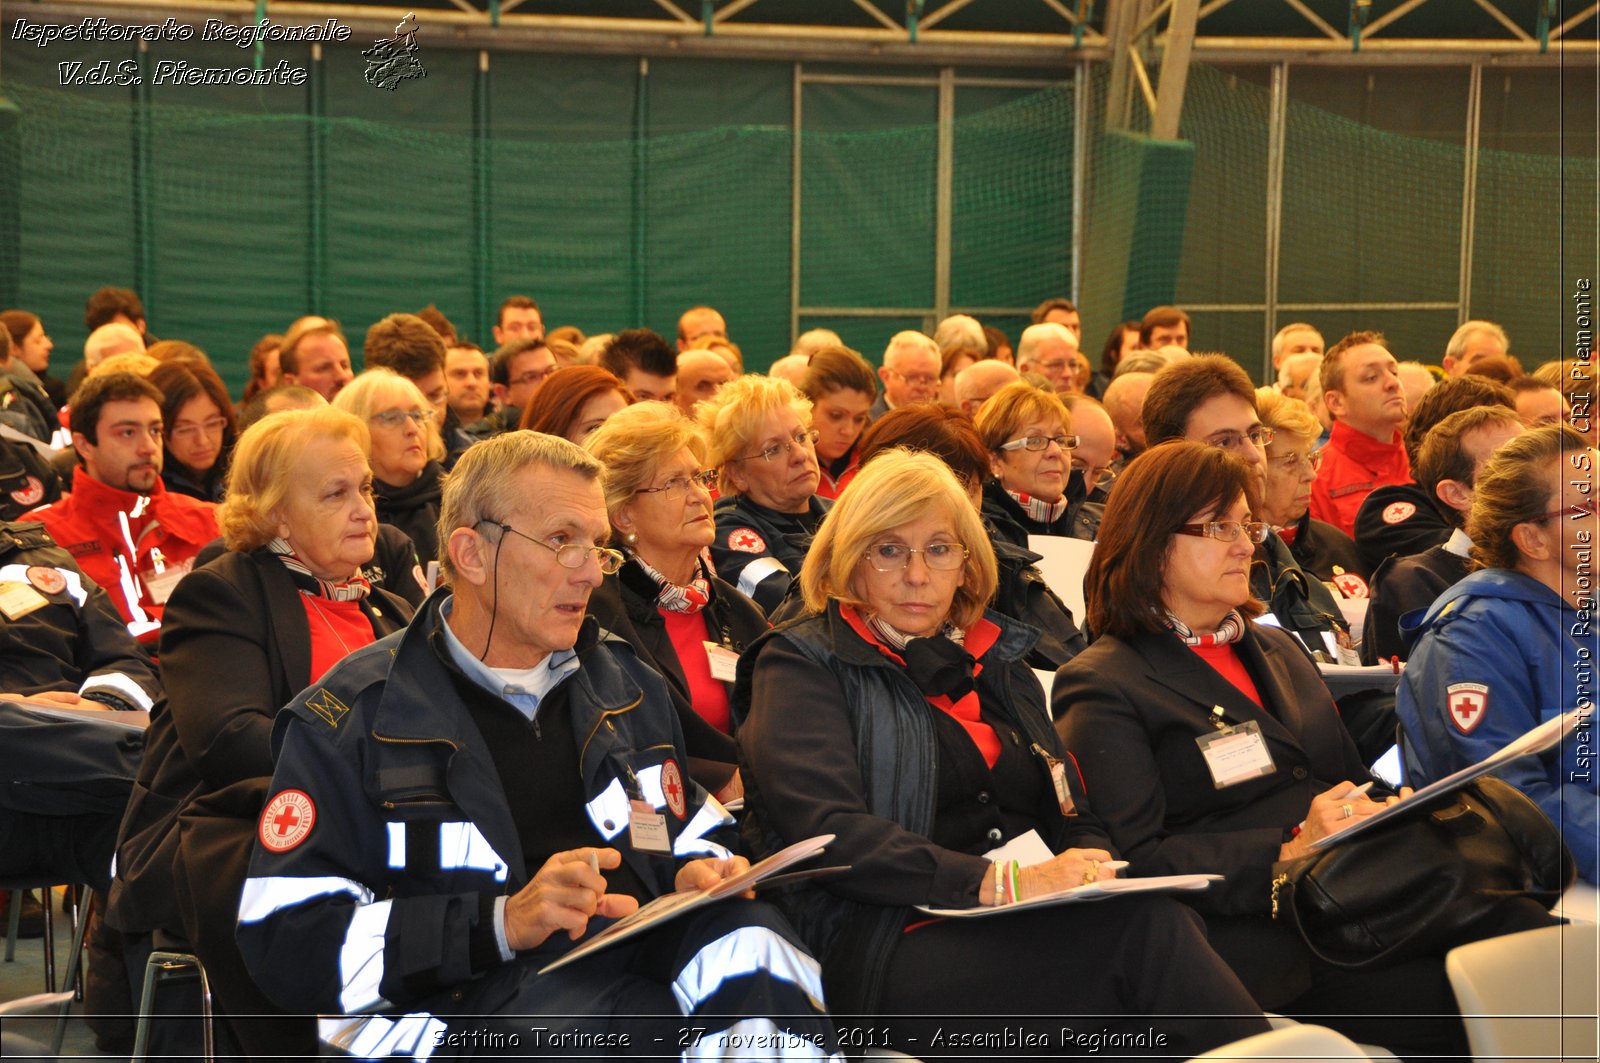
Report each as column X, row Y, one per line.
column 1236, row 754
column 724, row 662
column 160, row 586
column 647, row 829
column 17, row 600
column 1058, row 780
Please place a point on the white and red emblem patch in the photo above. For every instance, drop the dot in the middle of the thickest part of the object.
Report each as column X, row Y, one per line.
column 672, row 788
column 46, row 580
column 746, row 540
column 29, row 494
column 1351, row 585
column 287, row 821
column 1395, row 512
column 1467, row 704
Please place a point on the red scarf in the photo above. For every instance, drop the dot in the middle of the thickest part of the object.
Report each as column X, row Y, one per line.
column 979, row 639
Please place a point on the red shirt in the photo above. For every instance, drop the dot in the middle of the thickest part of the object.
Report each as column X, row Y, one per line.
column 338, row 629
column 1225, row 659
column 1353, row 466
column 708, row 696
column 87, row 524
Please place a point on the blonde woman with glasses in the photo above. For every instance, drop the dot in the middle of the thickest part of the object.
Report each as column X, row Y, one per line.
column 407, row 450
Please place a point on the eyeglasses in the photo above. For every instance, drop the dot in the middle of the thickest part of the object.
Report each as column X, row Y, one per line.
column 676, row 487
column 1041, row 442
column 1054, row 367
column 533, row 376
column 396, row 418
column 212, row 426
column 1586, row 508
column 1259, row 436
column 1226, row 531
column 803, row 438
column 1291, row 462
column 917, row 380
column 893, row 557
column 569, row 555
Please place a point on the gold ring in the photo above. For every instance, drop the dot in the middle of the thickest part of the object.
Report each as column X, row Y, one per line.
column 1348, row 810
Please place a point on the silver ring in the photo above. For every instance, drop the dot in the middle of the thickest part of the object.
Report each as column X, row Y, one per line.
column 1347, row 810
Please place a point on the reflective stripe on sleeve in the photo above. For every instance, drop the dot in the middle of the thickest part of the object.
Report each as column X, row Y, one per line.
column 361, row 958
column 375, row 1036
column 751, row 575
column 755, row 1039
column 397, row 846
column 462, row 846
column 609, row 811
column 741, row 952
column 692, row 839
column 264, row 896
column 19, row 574
column 121, row 686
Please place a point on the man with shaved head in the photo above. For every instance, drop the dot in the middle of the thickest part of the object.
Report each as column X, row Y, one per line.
column 978, row 381
column 700, row 374
column 1124, row 401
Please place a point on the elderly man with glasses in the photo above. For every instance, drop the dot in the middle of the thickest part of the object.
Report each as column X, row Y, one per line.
column 460, row 804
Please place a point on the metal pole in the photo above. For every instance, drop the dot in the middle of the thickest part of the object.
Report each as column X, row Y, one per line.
column 944, row 192
column 143, row 186
column 1080, row 172
column 482, row 166
column 1278, row 110
column 641, row 131
column 1175, row 69
column 794, row 207
column 1469, row 189
column 317, row 187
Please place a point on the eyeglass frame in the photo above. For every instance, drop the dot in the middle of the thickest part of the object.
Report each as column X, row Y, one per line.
column 917, row 380
column 678, row 486
column 603, row 554
column 1065, row 442
column 1234, row 439
column 1210, row 529
column 211, row 426
column 396, row 418
column 1312, row 458
column 769, row 454
column 533, row 376
column 912, row 550
column 1587, row 508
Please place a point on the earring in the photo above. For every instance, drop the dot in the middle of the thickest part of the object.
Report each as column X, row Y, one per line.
column 632, row 538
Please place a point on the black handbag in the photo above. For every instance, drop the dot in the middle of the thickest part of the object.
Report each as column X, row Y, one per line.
column 1421, row 883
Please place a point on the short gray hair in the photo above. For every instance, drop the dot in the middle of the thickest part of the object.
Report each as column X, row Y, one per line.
column 909, row 338
column 485, row 478
column 960, row 330
column 1458, row 339
column 1034, row 335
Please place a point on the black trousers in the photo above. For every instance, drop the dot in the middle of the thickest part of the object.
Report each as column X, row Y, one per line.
column 1133, row 976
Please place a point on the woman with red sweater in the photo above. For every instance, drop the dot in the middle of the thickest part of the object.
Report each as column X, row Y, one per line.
column 666, row 601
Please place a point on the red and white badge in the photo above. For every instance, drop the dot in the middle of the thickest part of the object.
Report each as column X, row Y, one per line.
column 746, row 540
column 287, row 821
column 1467, row 703
column 1350, row 585
column 46, row 580
column 28, row 494
column 672, row 788
column 1395, row 512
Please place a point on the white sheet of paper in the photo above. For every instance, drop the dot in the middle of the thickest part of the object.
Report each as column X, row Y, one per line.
column 1063, row 565
column 1026, row 849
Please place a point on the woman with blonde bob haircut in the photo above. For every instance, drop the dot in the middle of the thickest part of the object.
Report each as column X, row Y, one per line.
column 902, row 718
column 762, row 442
column 665, row 601
column 407, row 450
column 1292, row 463
column 1035, row 490
column 239, row 638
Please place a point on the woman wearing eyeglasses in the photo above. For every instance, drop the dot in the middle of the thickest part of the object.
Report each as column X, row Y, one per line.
column 902, row 717
column 666, row 602
column 1292, row 463
column 1511, row 645
column 1035, row 490
column 199, row 426
column 1211, row 744
column 407, row 450
column 766, row 450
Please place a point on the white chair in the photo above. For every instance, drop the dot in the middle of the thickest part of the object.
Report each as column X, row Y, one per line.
column 1530, row 996
column 1298, row 1043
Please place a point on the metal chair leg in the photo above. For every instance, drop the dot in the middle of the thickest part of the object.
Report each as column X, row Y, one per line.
column 13, row 924
column 74, row 970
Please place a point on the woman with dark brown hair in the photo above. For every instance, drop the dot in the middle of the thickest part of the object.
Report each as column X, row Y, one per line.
column 575, row 400
column 1179, row 662
column 842, row 388
column 198, row 426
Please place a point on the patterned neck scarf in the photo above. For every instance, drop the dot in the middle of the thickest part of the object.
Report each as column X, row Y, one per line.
column 352, row 590
column 679, row 598
column 1038, row 509
column 1230, row 630
column 897, row 639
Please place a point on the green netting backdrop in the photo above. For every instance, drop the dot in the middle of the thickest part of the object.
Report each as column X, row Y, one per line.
column 618, row 193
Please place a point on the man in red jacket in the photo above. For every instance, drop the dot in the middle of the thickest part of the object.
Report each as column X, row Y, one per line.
column 1361, row 388
column 125, row 530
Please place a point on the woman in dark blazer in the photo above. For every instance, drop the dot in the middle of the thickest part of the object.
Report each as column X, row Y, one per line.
column 1179, row 661
column 665, row 601
column 240, row 638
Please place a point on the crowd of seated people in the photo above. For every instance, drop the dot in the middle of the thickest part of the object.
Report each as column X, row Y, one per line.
column 453, row 655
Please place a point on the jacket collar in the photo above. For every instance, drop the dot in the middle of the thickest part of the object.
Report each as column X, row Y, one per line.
column 1362, row 448
column 1181, row 670
column 102, row 502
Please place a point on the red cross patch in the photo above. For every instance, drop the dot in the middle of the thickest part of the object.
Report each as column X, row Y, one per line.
column 1467, row 703
column 287, row 821
column 46, row 580
column 746, row 540
column 1395, row 512
column 1350, row 585
column 672, row 788
column 29, row 493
